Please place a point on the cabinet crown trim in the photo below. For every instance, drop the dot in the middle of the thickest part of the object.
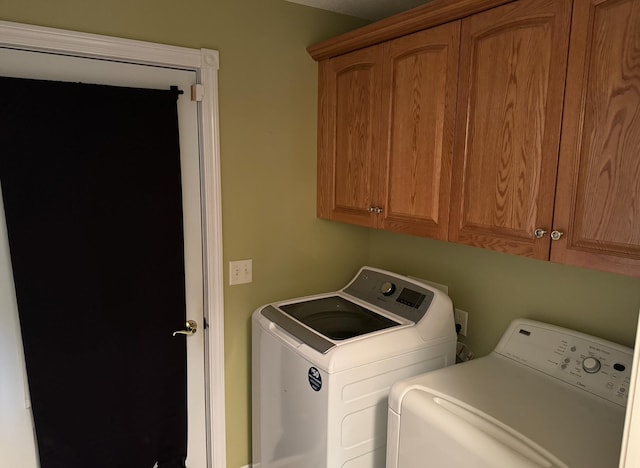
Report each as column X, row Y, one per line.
column 433, row 13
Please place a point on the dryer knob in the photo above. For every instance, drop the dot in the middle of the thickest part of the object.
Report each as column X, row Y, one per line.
column 591, row 365
column 387, row 288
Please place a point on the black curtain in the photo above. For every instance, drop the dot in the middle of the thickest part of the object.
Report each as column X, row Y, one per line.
column 90, row 179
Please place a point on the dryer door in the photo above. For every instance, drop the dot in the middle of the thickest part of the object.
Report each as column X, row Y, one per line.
column 450, row 434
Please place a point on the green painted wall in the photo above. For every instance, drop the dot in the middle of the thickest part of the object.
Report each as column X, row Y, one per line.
column 268, row 92
column 268, row 89
column 495, row 288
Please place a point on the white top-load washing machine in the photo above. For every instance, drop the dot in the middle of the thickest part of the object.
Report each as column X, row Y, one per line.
column 323, row 366
column 545, row 397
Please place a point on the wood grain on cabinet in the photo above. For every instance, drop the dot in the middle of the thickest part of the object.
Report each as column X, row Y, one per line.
column 349, row 136
column 420, row 84
column 598, row 192
column 511, row 85
column 385, row 136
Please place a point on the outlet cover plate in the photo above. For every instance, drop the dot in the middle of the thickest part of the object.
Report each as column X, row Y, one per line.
column 461, row 317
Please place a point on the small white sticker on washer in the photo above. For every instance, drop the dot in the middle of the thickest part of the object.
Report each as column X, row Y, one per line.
column 315, row 380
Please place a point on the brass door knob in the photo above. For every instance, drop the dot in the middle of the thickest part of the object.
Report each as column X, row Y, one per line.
column 190, row 328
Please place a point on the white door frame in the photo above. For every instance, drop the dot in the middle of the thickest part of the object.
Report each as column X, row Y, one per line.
column 205, row 63
column 630, row 453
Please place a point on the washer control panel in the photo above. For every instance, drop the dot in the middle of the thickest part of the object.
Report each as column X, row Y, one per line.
column 592, row 364
column 394, row 293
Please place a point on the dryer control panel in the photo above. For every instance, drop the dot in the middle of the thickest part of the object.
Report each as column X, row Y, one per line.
column 592, row 364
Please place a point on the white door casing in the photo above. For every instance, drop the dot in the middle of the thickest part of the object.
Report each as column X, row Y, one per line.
column 630, row 453
column 134, row 63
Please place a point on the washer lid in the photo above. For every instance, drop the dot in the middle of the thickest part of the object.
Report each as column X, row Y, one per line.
column 337, row 318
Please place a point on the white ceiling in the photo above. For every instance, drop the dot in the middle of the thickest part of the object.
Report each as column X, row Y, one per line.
column 367, row 9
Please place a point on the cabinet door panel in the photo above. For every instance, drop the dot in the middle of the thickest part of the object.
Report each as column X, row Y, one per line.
column 598, row 194
column 512, row 71
column 349, row 136
column 420, row 86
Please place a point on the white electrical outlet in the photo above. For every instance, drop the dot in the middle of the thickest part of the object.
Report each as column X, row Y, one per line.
column 241, row 272
column 461, row 318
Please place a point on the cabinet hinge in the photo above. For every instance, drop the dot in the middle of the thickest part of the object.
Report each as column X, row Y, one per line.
column 197, row 92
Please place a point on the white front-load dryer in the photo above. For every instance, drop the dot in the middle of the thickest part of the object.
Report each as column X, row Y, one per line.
column 323, row 366
column 545, row 397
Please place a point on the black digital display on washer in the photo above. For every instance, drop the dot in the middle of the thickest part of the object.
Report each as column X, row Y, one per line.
column 410, row 298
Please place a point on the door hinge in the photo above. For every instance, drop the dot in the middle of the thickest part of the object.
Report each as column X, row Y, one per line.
column 197, row 92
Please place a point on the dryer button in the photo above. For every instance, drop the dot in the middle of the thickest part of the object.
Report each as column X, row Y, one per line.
column 591, row 365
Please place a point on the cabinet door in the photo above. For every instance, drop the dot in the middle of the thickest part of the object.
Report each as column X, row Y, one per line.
column 420, row 84
column 512, row 76
column 598, row 194
column 349, row 136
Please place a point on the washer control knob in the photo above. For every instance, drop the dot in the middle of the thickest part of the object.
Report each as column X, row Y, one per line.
column 387, row 288
column 591, row 365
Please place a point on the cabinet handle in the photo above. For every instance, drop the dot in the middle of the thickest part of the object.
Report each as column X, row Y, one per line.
column 556, row 235
column 539, row 233
column 374, row 209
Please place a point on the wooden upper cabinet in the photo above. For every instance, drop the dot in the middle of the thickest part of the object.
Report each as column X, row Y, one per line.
column 490, row 126
column 386, row 133
column 510, row 94
column 420, row 84
column 349, row 135
column 598, row 192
